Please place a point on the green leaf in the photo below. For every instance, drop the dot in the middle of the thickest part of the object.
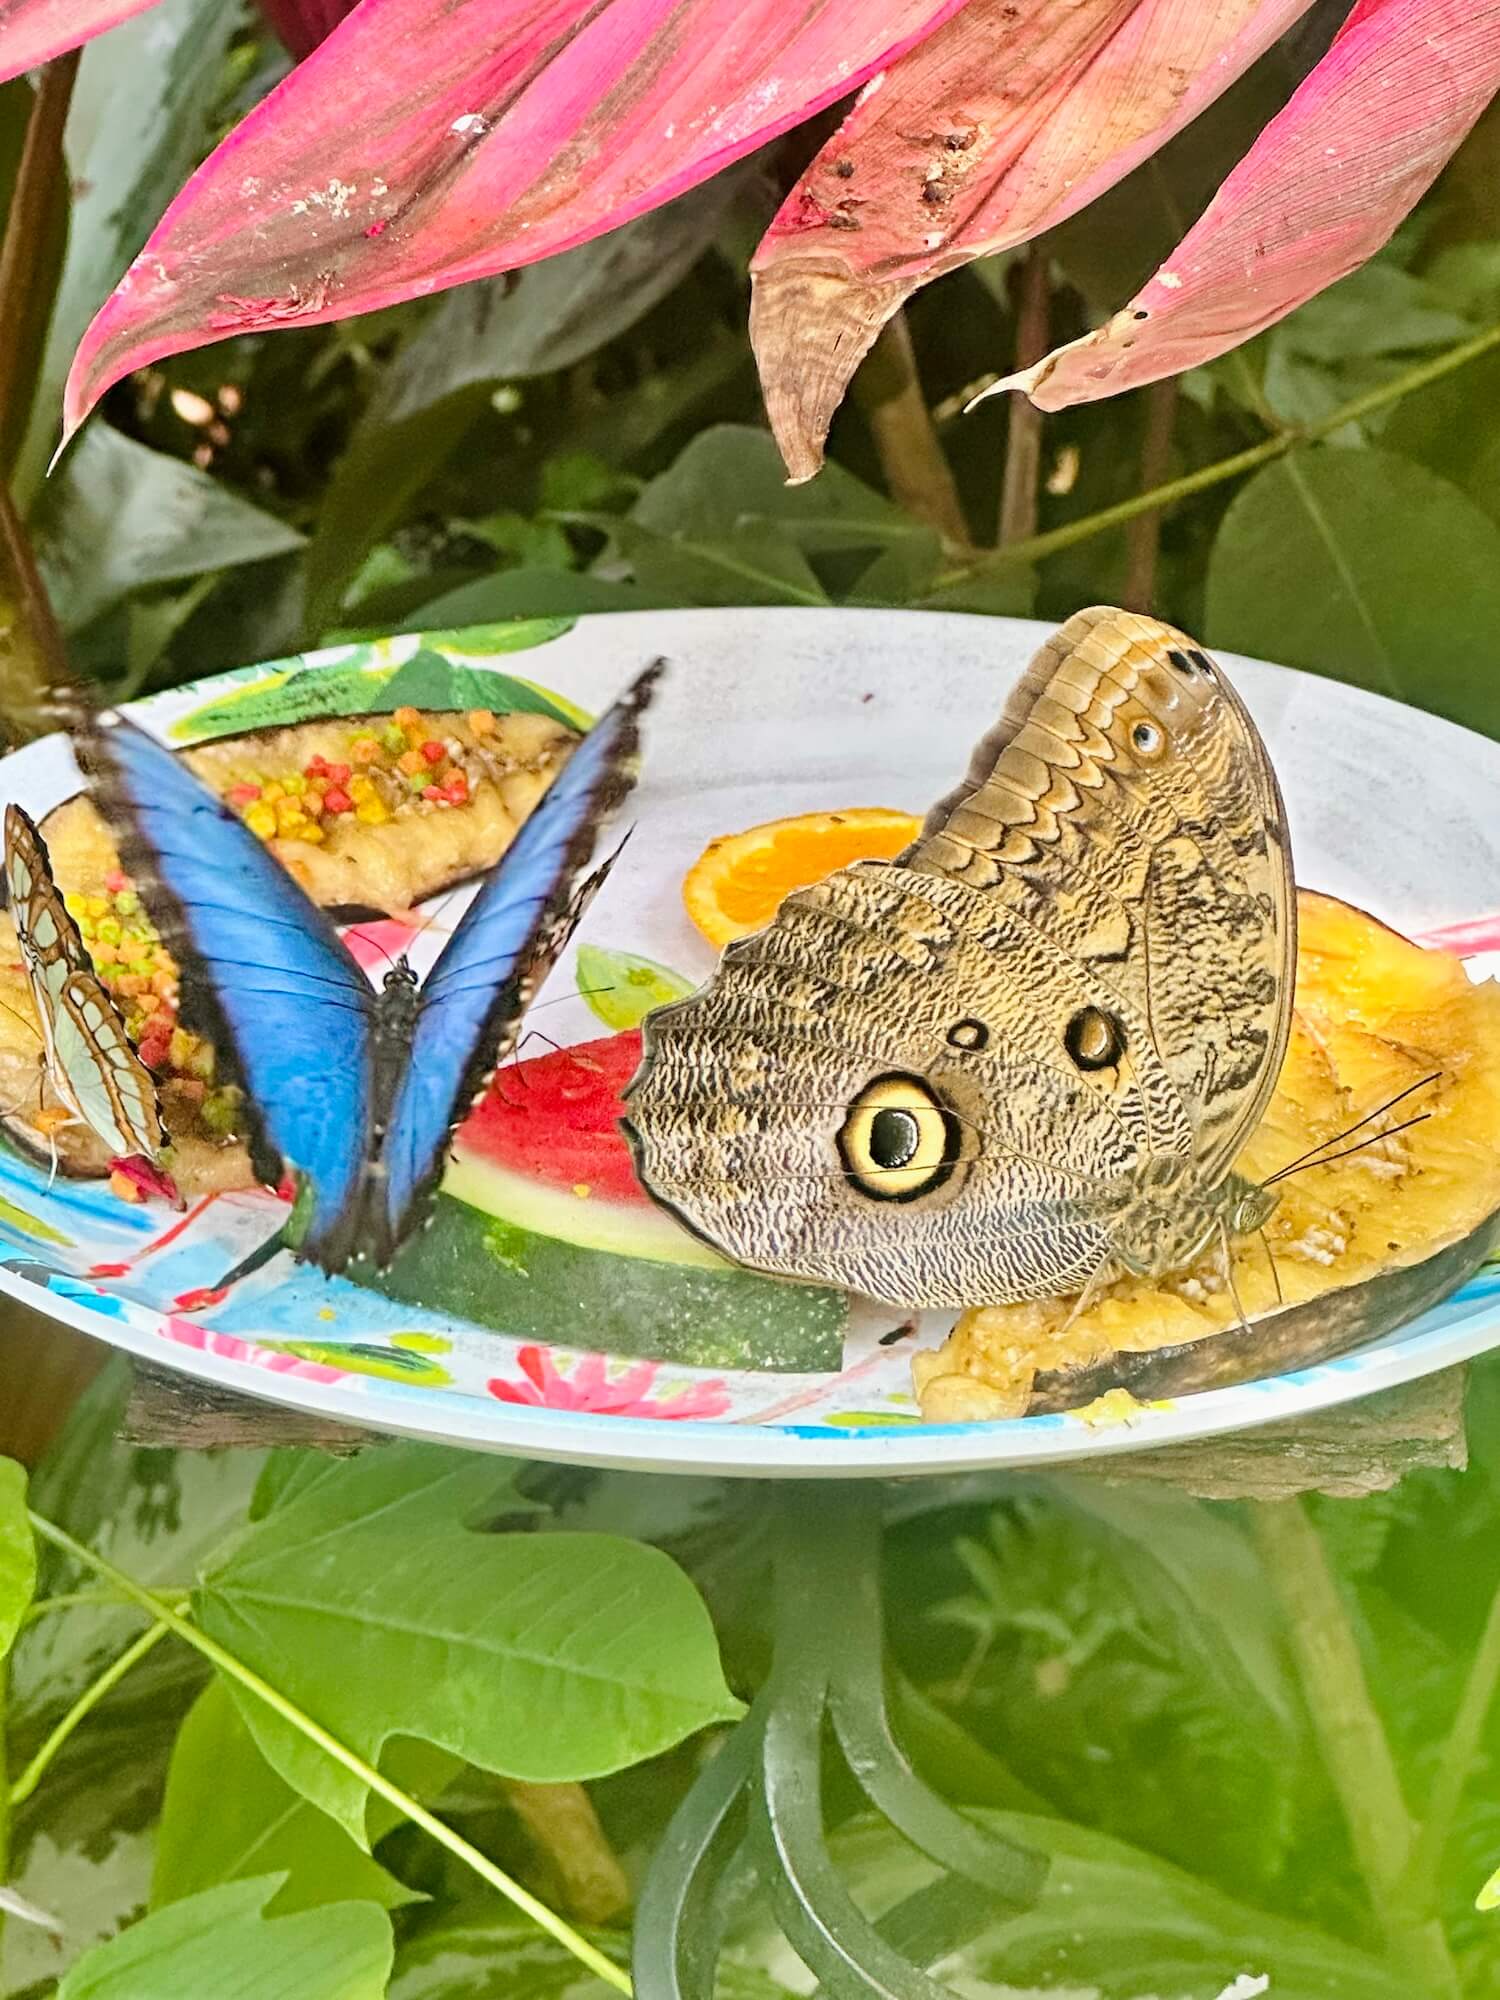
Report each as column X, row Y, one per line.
column 227, row 1817
column 142, row 116
column 732, row 475
column 440, row 383
column 499, row 1958
column 1226, row 1615
column 366, row 1600
column 1366, row 567
column 622, row 989
column 17, row 1554
column 1111, row 1922
column 120, row 515
column 221, row 1943
column 756, row 563
column 534, row 594
column 550, row 315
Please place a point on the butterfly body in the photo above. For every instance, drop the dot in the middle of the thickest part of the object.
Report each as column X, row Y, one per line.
column 357, row 1091
column 1028, row 1050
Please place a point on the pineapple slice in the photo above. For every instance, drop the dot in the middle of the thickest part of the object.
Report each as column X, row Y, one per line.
column 1375, row 1016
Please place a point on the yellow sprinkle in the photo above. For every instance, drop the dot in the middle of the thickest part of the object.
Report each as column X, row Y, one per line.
column 371, row 812
column 261, row 820
column 582, row 1190
column 272, row 792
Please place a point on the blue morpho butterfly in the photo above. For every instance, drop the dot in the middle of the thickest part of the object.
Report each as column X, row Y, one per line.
column 357, row 1090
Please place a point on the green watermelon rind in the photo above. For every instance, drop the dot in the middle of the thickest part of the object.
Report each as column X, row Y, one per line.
column 486, row 1269
column 587, row 1220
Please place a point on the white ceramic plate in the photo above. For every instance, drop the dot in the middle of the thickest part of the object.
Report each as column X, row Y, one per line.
column 764, row 713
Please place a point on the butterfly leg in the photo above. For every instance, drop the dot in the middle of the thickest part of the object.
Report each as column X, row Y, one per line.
column 1096, row 1281
column 1229, row 1284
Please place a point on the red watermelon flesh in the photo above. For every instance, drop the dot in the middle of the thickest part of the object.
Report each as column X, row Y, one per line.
column 555, row 1119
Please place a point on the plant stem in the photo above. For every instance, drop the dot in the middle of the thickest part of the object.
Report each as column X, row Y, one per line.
column 562, row 1822
column 1418, row 1890
column 25, row 301
column 1035, row 548
column 1143, row 536
column 33, row 659
column 889, row 391
column 89, row 1700
column 1023, row 439
column 1350, row 1735
column 408, row 1807
column 67, row 1600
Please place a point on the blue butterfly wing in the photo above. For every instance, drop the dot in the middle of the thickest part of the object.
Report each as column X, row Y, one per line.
column 473, row 1000
column 264, row 975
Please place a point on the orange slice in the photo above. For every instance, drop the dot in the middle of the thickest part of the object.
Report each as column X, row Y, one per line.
column 739, row 881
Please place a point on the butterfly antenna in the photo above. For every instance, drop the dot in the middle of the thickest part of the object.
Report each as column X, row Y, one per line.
column 1275, row 1274
column 1373, row 1140
column 29, row 1025
column 1308, row 1158
column 257, row 1259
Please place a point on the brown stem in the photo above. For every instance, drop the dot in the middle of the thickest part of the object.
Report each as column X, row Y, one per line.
column 1023, row 442
column 33, row 222
column 562, row 1821
column 889, row 391
column 1143, row 536
column 33, row 658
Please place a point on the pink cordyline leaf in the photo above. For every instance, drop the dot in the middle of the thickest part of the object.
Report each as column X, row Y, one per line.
column 1013, row 116
column 424, row 144
column 1320, row 191
column 34, row 31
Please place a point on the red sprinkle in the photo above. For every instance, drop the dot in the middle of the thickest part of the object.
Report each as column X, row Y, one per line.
column 434, row 792
column 457, row 789
column 316, row 767
column 154, row 1050
column 433, row 751
column 243, row 795
column 337, row 774
column 337, row 800
column 115, row 881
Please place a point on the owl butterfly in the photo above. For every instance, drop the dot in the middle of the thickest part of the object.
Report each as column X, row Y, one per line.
column 93, row 1068
column 1024, row 1054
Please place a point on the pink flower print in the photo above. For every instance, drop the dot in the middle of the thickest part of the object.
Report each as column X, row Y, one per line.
column 590, row 1387
column 187, row 1333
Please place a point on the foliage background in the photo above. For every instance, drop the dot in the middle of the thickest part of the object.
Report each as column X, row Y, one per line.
column 586, row 436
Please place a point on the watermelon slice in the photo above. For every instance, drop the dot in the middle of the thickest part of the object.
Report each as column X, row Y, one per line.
column 541, row 1230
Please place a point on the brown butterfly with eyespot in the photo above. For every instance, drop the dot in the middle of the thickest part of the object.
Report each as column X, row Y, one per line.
column 1023, row 1056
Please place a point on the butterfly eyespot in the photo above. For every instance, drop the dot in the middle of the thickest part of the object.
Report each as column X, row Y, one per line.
column 968, row 1034
column 1147, row 738
column 1094, row 1039
column 898, row 1141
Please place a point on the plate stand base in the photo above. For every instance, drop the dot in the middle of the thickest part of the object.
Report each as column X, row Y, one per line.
column 755, row 1813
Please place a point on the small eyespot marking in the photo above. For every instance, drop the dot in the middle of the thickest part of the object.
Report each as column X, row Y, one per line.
column 1094, row 1039
column 968, row 1034
column 1147, row 738
column 1202, row 662
column 1180, row 660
